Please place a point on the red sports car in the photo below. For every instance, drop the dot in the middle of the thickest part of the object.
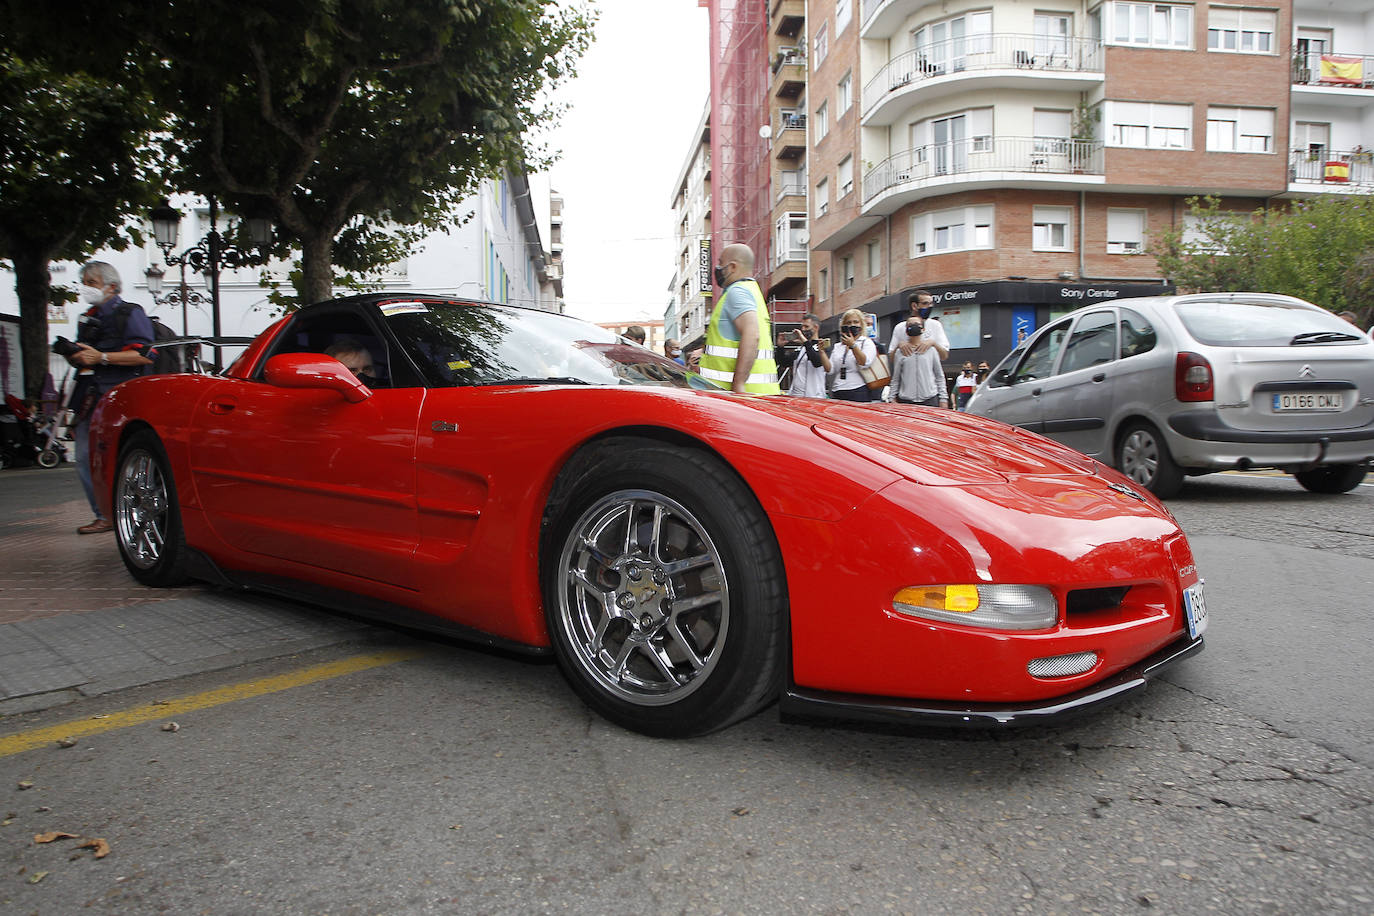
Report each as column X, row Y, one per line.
column 688, row 555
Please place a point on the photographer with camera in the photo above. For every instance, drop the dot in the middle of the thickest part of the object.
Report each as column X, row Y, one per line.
column 113, row 340
column 810, row 361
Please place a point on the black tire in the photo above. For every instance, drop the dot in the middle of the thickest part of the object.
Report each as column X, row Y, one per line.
column 1143, row 455
column 48, row 458
column 664, row 590
column 147, row 513
column 1334, row 478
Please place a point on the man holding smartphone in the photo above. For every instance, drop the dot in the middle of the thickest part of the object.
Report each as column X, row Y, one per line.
column 810, row 361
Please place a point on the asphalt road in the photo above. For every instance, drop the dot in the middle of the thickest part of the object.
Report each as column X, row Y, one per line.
column 465, row 781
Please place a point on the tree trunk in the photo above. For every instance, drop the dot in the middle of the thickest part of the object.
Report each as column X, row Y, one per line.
column 317, row 268
column 33, row 284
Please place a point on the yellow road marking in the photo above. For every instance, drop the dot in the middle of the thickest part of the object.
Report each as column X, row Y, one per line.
column 24, row 741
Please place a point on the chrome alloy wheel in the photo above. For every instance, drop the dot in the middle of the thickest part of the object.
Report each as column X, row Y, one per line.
column 1140, row 457
column 644, row 601
column 140, row 509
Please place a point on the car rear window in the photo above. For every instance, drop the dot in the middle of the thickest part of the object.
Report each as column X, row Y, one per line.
column 1242, row 323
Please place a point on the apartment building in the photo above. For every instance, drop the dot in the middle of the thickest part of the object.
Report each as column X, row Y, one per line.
column 1016, row 159
column 689, row 291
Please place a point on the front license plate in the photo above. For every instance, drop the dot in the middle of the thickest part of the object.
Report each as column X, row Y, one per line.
column 1309, row 400
column 1195, row 610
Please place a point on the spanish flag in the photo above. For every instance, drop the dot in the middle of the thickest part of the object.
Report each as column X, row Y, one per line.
column 1335, row 170
column 1342, row 71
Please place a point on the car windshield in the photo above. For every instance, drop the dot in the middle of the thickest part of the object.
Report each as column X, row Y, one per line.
column 1242, row 323
column 457, row 344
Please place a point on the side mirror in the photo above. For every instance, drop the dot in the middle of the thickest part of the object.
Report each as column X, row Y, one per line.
column 314, row 370
column 1002, row 376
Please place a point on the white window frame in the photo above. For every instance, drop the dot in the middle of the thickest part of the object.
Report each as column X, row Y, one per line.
column 1138, row 24
column 822, row 45
column 822, row 120
column 822, row 285
column 1053, row 30
column 1239, row 27
column 1047, row 223
column 844, row 11
column 822, row 197
column 1128, row 227
column 844, row 94
column 1149, row 125
column 873, row 253
column 1240, row 130
column 960, row 229
column 847, row 272
column 844, row 177
column 787, row 226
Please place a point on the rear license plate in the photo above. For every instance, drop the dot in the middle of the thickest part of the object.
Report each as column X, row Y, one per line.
column 1309, row 400
column 1195, row 610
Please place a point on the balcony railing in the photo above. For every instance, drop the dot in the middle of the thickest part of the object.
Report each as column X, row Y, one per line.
column 789, row 189
column 785, row 56
column 1333, row 169
column 1034, row 155
column 789, row 119
column 787, row 311
column 1349, row 71
column 984, row 52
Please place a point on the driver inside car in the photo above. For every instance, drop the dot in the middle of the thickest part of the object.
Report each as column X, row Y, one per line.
column 356, row 359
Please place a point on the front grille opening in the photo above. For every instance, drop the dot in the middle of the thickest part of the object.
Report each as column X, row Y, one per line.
column 1093, row 600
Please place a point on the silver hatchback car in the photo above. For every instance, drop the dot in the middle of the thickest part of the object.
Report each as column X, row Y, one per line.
column 1170, row 386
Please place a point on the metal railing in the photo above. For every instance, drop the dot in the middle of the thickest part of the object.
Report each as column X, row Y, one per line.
column 789, row 119
column 791, row 188
column 786, row 56
column 1351, row 71
column 983, row 52
column 1333, row 168
column 1037, row 155
column 787, row 311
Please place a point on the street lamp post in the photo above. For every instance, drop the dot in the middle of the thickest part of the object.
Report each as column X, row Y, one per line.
column 177, row 297
column 209, row 255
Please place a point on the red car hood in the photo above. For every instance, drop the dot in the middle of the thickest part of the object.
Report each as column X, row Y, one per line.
column 937, row 447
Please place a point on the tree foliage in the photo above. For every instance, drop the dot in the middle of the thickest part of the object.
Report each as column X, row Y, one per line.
column 1321, row 250
column 75, row 166
column 356, row 124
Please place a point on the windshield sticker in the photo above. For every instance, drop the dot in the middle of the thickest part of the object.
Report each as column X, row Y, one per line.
column 404, row 308
column 457, row 364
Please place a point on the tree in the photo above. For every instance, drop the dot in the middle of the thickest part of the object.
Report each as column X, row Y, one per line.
column 75, row 166
column 1315, row 249
column 344, row 117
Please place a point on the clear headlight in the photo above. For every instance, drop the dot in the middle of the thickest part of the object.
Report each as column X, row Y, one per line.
column 997, row 607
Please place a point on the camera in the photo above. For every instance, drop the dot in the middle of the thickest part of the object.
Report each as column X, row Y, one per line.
column 64, row 347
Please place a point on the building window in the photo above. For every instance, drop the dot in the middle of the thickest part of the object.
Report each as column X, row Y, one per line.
column 1125, row 231
column 844, row 175
column 875, row 264
column 1149, row 125
column 847, row 272
column 789, row 237
column 822, row 121
column 944, row 47
column 1051, row 130
column 962, row 229
column 1242, row 31
column 1050, row 229
column 1240, row 130
column 844, row 11
column 823, row 285
column 843, row 93
column 1156, row 25
column 822, row 197
column 822, row 45
column 1052, row 33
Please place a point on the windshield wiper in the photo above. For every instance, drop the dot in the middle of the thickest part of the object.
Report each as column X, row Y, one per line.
column 537, row 380
column 1321, row 337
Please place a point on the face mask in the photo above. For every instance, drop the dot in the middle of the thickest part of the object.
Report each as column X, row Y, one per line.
column 92, row 295
column 924, row 312
column 720, row 276
column 913, row 330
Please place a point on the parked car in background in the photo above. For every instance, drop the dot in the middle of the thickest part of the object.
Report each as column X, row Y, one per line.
column 1171, row 386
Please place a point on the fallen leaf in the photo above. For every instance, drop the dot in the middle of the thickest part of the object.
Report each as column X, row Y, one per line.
column 102, row 848
column 37, row 876
column 53, row 835
column 66, row 742
column 740, row 812
column 25, row 785
column 171, row 727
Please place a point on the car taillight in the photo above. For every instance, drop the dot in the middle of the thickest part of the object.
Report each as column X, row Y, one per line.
column 1192, row 377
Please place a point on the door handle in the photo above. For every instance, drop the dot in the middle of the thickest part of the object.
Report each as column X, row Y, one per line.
column 222, row 405
column 1099, row 377
column 1035, row 392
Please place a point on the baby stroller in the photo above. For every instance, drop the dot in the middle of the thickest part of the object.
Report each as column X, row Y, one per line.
column 18, row 435
column 52, row 451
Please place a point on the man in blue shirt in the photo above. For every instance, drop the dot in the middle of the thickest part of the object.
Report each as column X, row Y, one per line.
column 113, row 340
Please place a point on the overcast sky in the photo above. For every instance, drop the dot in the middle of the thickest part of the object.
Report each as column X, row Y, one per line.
column 635, row 104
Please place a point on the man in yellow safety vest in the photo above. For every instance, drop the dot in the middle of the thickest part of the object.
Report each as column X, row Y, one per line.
column 739, row 336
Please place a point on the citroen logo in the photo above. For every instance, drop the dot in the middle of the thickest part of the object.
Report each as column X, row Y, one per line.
column 1122, row 488
column 1306, row 372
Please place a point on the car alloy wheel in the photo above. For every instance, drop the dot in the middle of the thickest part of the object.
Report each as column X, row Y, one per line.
column 646, row 604
column 1144, row 457
column 140, row 509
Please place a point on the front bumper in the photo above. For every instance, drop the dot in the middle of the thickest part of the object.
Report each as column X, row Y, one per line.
column 799, row 701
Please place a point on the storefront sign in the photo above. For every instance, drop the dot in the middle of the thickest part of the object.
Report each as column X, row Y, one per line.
column 704, row 267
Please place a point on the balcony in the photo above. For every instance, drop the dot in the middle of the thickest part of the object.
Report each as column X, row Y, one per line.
column 789, row 133
column 788, row 17
column 789, row 73
column 1341, row 80
column 983, row 162
column 1331, row 171
column 1003, row 61
column 789, row 189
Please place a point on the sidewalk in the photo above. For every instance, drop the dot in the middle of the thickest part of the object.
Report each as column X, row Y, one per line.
column 74, row 623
